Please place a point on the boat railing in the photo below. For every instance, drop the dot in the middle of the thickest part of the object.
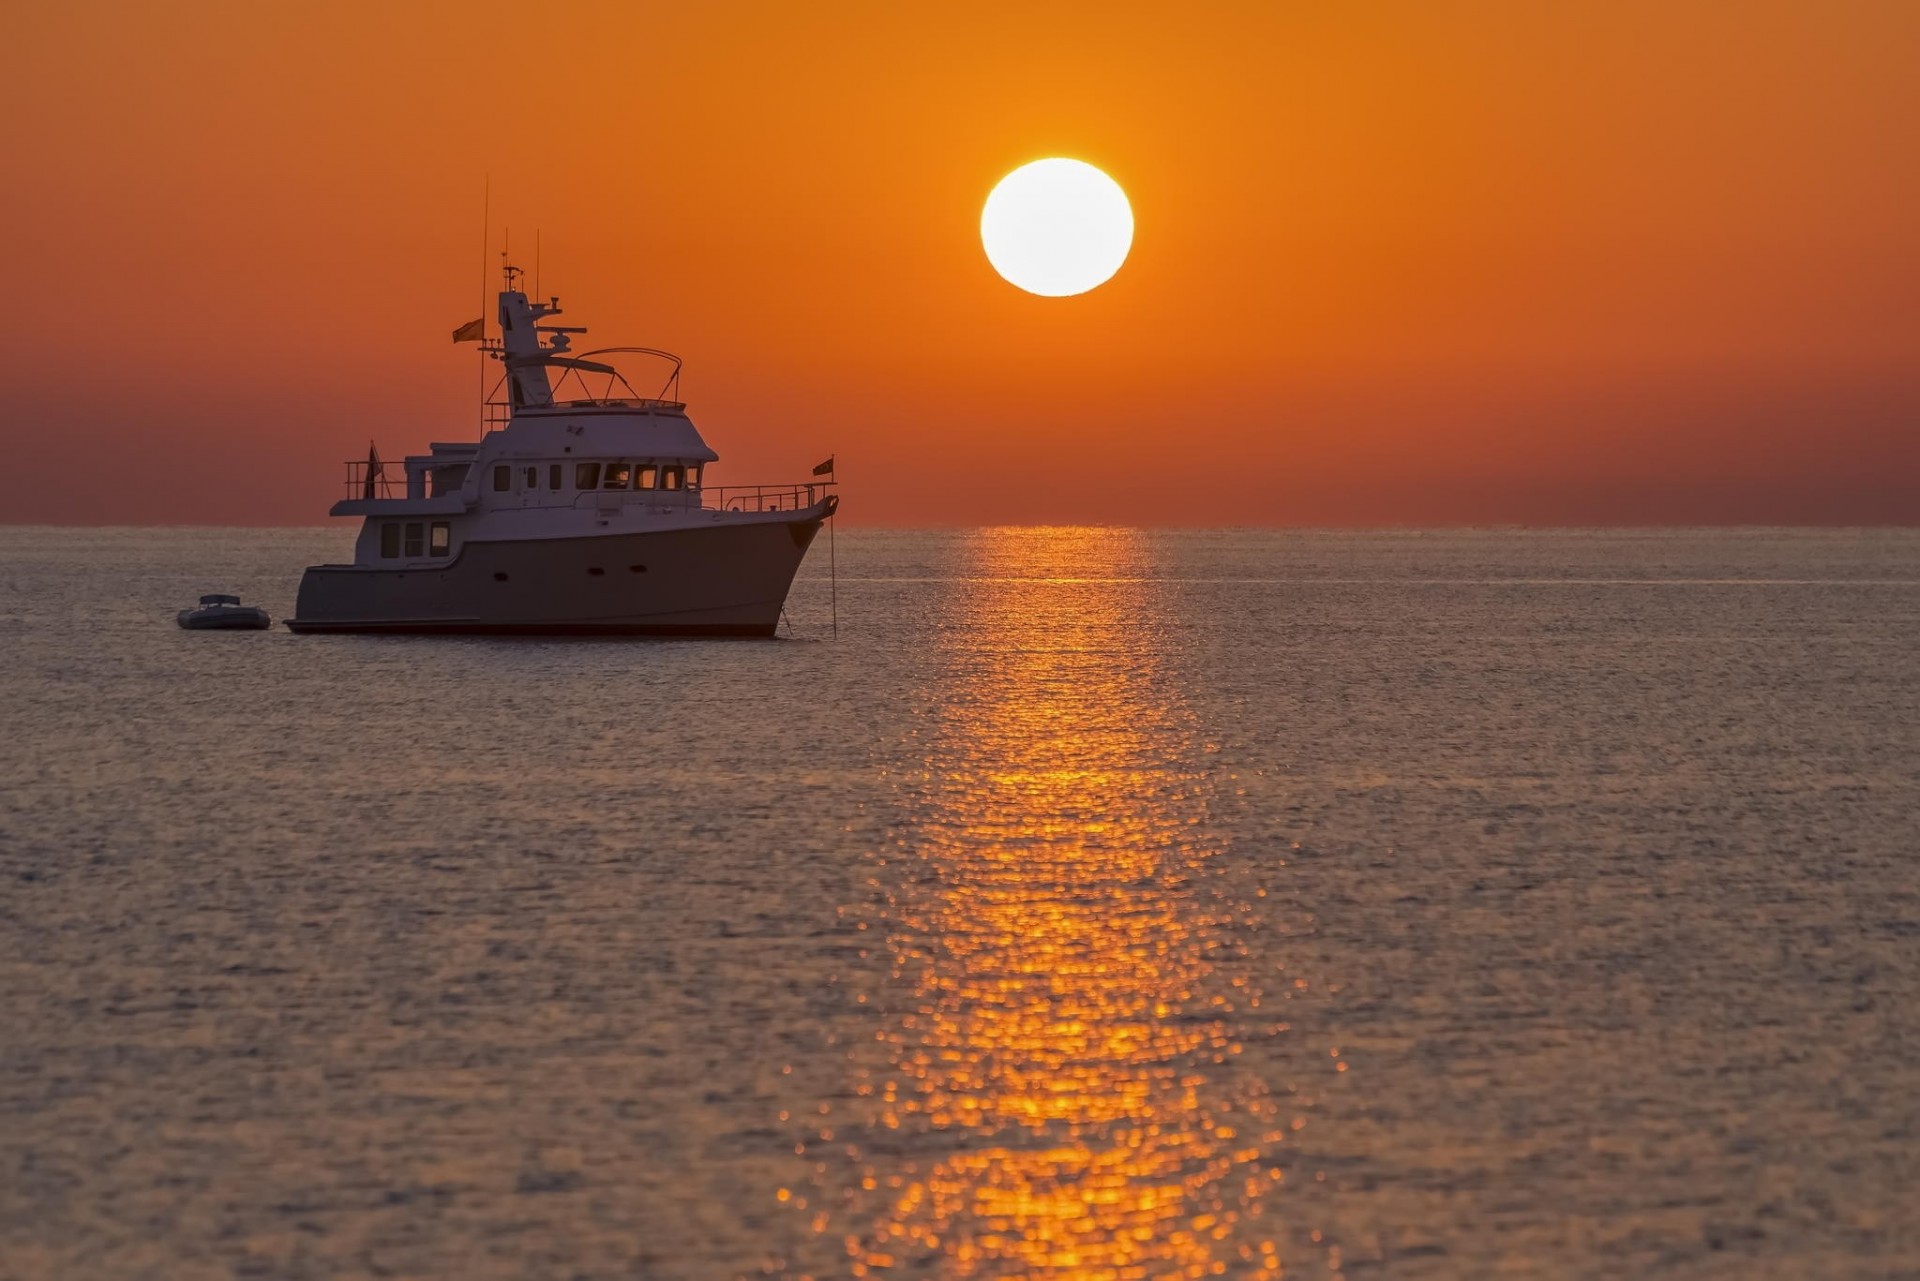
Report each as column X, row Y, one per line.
column 496, row 414
column 389, row 479
column 763, row 498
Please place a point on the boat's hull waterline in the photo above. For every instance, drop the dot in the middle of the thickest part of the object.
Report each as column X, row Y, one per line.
column 725, row 579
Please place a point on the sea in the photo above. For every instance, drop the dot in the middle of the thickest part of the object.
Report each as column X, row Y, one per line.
column 1044, row 902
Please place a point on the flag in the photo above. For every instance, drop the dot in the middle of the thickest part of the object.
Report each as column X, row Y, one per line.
column 824, row 469
column 370, row 490
column 472, row 331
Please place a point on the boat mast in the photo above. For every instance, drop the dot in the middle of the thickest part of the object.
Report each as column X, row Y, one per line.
column 527, row 362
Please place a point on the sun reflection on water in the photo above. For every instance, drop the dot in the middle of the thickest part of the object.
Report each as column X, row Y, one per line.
column 1059, row 1095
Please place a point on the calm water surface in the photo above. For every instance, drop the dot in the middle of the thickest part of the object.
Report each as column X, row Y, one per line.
column 1098, row 904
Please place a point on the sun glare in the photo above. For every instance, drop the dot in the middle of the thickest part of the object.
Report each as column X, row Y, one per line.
column 1057, row 227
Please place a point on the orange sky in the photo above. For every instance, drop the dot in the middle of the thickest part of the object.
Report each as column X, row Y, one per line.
column 1395, row 263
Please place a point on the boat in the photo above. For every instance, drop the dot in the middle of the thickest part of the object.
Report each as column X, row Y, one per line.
column 223, row 614
column 581, row 510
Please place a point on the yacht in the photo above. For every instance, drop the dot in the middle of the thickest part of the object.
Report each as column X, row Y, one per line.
column 581, row 510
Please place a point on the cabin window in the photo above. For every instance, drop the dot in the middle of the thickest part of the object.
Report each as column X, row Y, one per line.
column 586, row 475
column 440, row 538
column 502, row 479
column 446, row 480
column 390, row 539
column 553, row 477
column 672, row 475
column 414, row 532
column 646, row 476
column 533, row 478
column 693, row 476
column 618, row 475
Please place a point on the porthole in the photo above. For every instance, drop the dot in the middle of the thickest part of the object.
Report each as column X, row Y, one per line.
column 636, row 569
column 499, row 576
column 596, row 572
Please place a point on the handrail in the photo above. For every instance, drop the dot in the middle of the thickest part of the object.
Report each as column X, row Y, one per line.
column 390, row 481
column 764, row 498
column 385, row 483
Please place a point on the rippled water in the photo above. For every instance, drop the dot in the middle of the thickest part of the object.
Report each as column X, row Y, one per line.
column 1097, row 904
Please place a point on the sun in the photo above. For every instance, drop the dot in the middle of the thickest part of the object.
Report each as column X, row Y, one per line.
column 1057, row 227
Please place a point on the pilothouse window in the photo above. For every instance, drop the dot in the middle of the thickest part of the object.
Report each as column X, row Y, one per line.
column 671, row 477
column 617, row 475
column 502, row 479
column 414, row 532
column 646, row 476
column 586, row 475
column 441, row 538
column 390, row 539
column 693, row 476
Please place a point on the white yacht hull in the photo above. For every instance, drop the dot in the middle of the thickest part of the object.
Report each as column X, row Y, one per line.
column 724, row 579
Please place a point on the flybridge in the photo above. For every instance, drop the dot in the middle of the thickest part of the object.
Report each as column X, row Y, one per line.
column 532, row 353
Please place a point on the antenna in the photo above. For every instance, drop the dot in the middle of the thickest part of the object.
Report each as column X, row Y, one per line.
column 536, row 262
column 486, row 209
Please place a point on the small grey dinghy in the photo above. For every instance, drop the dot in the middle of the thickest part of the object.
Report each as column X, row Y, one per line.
column 224, row 613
